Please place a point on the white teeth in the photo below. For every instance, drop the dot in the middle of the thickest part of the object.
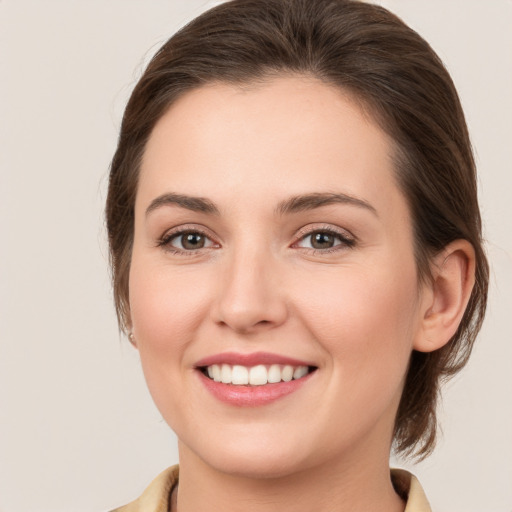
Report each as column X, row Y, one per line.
column 240, row 375
column 274, row 374
column 300, row 371
column 256, row 375
column 216, row 372
column 287, row 373
column 226, row 374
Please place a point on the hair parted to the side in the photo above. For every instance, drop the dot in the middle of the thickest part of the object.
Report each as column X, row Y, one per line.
column 365, row 50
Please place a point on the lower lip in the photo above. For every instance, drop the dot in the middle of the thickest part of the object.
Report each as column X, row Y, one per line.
column 251, row 396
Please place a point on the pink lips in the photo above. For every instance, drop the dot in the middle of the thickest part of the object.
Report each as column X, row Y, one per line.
column 250, row 359
column 250, row 396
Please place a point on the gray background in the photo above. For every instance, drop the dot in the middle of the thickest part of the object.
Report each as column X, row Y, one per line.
column 78, row 430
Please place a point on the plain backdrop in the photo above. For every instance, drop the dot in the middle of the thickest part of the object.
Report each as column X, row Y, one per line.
column 78, row 430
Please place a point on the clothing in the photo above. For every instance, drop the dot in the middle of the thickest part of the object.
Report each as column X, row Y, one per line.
column 156, row 497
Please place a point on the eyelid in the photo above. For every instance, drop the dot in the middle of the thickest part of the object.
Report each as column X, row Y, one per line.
column 314, row 228
column 346, row 237
column 164, row 240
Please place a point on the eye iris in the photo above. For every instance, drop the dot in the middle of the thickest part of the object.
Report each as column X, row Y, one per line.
column 192, row 241
column 322, row 240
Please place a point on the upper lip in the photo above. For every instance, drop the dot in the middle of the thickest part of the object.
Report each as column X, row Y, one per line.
column 254, row 359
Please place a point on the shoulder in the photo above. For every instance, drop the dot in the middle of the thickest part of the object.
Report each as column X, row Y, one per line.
column 409, row 488
column 156, row 496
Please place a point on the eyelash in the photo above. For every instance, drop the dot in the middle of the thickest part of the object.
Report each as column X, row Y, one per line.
column 167, row 238
column 346, row 241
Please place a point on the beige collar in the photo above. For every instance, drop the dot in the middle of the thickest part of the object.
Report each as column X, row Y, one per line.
column 156, row 497
column 408, row 486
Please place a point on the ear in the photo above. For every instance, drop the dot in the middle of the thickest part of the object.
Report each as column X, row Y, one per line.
column 446, row 296
column 131, row 337
column 128, row 326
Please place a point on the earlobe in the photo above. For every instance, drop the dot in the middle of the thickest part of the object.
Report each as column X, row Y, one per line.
column 132, row 339
column 129, row 329
column 453, row 278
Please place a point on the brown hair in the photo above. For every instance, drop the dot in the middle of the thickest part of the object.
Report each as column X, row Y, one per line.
column 363, row 49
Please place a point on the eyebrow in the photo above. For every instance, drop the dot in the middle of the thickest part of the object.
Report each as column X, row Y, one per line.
column 316, row 200
column 297, row 203
column 195, row 204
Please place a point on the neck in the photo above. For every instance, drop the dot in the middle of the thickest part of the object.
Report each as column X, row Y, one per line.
column 340, row 486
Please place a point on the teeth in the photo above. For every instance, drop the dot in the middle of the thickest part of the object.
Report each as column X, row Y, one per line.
column 216, row 372
column 226, row 374
column 299, row 372
column 274, row 374
column 239, row 375
column 287, row 373
column 256, row 375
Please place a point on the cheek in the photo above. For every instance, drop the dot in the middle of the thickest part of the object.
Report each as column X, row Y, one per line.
column 365, row 319
column 166, row 307
column 166, row 310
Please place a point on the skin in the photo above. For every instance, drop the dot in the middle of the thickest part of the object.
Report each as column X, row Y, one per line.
column 355, row 311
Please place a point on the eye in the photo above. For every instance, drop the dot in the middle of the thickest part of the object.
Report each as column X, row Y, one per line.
column 189, row 241
column 324, row 239
column 320, row 240
column 186, row 241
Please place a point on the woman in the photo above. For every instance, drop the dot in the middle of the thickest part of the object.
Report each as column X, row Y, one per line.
column 296, row 251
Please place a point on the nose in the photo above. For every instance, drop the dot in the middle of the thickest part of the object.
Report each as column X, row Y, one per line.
column 251, row 297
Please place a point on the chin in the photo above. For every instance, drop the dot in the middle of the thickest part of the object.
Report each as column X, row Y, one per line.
column 261, row 467
column 249, row 459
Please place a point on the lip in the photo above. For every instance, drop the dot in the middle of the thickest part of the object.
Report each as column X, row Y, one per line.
column 253, row 359
column 251, row 396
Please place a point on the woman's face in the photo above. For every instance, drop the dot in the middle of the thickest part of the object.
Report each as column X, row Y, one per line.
column 271, row 239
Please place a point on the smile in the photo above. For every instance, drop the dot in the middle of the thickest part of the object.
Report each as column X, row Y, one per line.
column 258, row 375
column 253, row 380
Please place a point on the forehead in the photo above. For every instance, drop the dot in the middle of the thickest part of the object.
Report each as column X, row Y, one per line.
column 288, row 135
